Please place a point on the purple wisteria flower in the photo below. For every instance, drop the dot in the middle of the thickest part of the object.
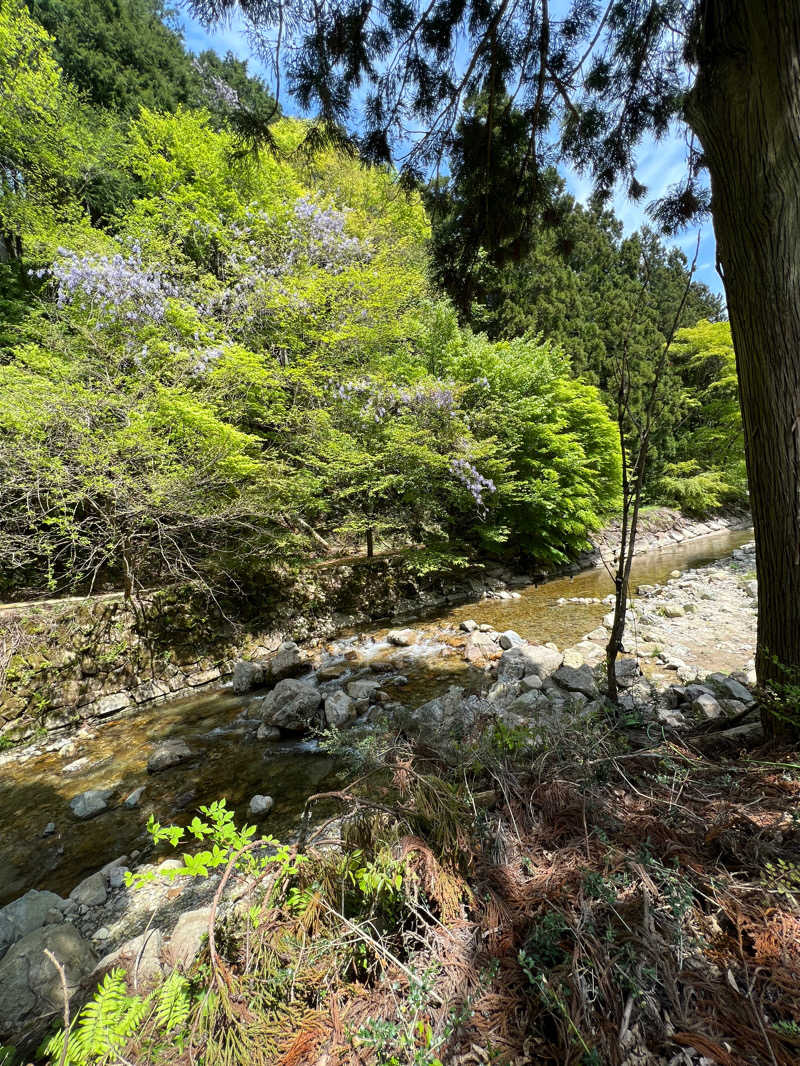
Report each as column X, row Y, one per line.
column 382, row 402
column 113, row 289
column 472, row 478
column 317, row 234
column 205, row 360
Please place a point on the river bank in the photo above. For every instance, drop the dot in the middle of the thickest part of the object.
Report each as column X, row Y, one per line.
column 66, row 665
column 441, row 681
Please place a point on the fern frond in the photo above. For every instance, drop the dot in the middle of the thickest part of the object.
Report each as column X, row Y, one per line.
column 173, row 1002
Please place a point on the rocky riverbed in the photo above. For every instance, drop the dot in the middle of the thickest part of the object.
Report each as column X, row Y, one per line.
column 689, row 646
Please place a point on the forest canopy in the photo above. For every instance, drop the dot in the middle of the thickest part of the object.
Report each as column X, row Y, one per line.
column 219, row 360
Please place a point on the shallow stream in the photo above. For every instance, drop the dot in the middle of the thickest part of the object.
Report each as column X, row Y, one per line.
column 36, row 790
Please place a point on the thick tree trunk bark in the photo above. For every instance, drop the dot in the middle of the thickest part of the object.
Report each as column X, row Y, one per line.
column 745, row 109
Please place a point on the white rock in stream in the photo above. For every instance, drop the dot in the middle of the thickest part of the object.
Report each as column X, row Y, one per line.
column 261, row 805
column 402, row 638
column 510, row 639
column 339, row 708
column 516, row 663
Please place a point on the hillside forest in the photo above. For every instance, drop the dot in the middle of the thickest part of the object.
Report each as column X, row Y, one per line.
column 218, row 358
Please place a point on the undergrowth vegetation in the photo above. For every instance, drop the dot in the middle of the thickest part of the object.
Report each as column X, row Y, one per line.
column 585, row 902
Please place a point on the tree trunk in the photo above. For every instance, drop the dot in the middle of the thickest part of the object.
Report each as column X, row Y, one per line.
column 370, row 544
column 745, row 109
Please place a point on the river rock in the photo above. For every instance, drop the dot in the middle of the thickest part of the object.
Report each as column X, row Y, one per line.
column 116, row 876
column 443, row 722
column 268, row 732
column 597, row 636
column 133, row 798
column 729, row 686
column 707, row 706
column 49, row 829
column 751, row 588
column 627, row 672
column 469, row 625
column 363, row 689
column 531, row 683
column 577, row 679
column 572, row 657
column 479, row 646
column 402, row 638
column 261, row 805
column 141, row 957
column 339, row 708
column 503, row 692
column 91, row 892
column 332, row 672
column 288, row 661
column 292, row 705
column 168, row 754
column 30, row 987
column 510, row 639
column 89, row 803
column 516, row 663
column 27, row 913
column 695, row 691
column 248, row 675
column 187, row 936
column 674, row 610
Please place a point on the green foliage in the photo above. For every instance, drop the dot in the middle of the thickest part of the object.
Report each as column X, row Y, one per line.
column 227, row 841
column 780, row 697
column 413, row 1038
column 128, row 54
column 247, row 356
column 106, row 1024
column 40, row 142
column 709, row 468
column 518, row 255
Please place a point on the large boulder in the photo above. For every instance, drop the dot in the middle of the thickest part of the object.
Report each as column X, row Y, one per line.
column 288, row 661
column 516, row 663
column 30, row 987
column 168, row 754
column 577, row 679
column 444, row 721
column 247, row 676
column 292, row 705
column 27, row 913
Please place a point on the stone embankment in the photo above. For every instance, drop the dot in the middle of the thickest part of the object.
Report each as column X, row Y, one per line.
column 63, row 666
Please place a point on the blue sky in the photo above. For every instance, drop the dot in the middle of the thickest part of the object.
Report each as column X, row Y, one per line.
column 661, row 164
